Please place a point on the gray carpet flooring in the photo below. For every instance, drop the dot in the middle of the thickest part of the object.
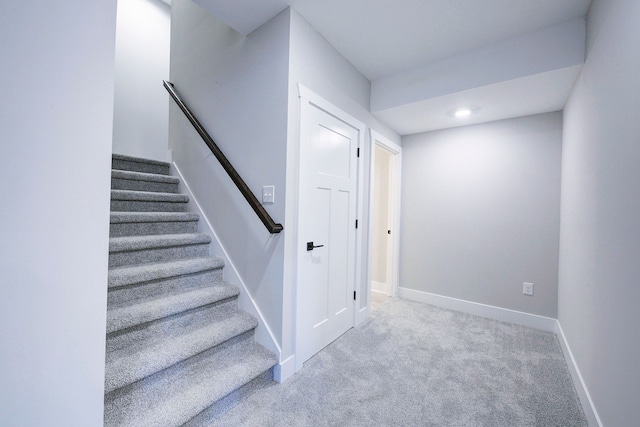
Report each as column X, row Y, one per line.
column 413, row 364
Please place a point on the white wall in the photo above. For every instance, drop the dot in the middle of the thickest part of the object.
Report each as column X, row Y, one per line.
column 318, row 66
column 481, row 211
column 141, row 104
column 58, row 77
column 237, row 87
column 600, row 223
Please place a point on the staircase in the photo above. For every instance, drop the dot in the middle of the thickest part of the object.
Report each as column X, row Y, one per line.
column 179, row 352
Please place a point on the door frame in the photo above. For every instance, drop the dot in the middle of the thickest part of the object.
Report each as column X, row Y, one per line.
column 377, row 139
column 309, row 99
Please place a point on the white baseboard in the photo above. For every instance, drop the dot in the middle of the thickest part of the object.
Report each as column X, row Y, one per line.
column 490, row 312
column 263, row 333
column 378, row 287
column 285, row 369
column 362, row 314
column 583, row 393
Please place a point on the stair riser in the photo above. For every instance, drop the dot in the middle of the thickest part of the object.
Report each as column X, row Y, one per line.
column 171, row 325
column 142, row 206
column 156, row 382
column 139, row 167
column 137, row 291
column 137, row 185
column 152, row 228
column 206, row 417
column 145, row 256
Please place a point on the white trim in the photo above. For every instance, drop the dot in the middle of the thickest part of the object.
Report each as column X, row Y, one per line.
column 379, row 287
column 315, row 99
column 285, row 369
column 583, row 393
column 263, row 333
column 390, row 145
column 358, row 316
column 490, row 312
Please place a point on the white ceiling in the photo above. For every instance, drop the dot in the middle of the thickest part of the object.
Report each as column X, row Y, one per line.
column 384, row 38
column 540, row 93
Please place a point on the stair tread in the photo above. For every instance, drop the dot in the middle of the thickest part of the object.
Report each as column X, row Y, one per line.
column 132, row 243
column 182, row 394
column 128, row 275
column 144, row 176
column 132, row 363
column 147, row 310
column 148, row 196
column 129, row 217
column 139, row 160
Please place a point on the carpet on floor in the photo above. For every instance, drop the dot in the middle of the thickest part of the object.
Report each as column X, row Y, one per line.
column 413, row 364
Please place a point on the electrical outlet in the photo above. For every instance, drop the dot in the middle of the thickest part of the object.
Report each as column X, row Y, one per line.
column 268, row 194
column 527, row 288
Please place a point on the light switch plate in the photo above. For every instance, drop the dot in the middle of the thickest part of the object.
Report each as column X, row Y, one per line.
column 268, row 194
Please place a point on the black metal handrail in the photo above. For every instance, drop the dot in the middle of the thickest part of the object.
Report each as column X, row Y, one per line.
column 226, row 164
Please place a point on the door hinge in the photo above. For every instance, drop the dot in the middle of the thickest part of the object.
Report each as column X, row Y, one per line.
column 354, row 295
column 356, row 223
column 358, row 152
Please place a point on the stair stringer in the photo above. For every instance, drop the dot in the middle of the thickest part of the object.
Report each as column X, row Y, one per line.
column 263, row 333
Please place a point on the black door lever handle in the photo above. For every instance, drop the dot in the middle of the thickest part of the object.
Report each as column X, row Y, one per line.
column 310, row 246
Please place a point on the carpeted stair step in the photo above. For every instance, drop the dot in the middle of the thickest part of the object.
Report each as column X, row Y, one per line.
column 131, row 250
column 142, row 359
column 122, row 342
column 148, row 310
column 203, row 384
column 131, row 283
column 144, row 201
column 137, row 164
column 141, row 181
column 135, row 275
column 207, row 417
column 152, row 223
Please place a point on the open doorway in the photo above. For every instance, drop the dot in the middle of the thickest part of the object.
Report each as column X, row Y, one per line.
column 385, row 201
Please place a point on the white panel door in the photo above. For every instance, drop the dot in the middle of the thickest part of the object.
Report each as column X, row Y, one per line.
column 327, row 233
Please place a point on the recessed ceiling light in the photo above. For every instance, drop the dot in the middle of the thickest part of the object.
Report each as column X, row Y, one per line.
column 462, row 112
